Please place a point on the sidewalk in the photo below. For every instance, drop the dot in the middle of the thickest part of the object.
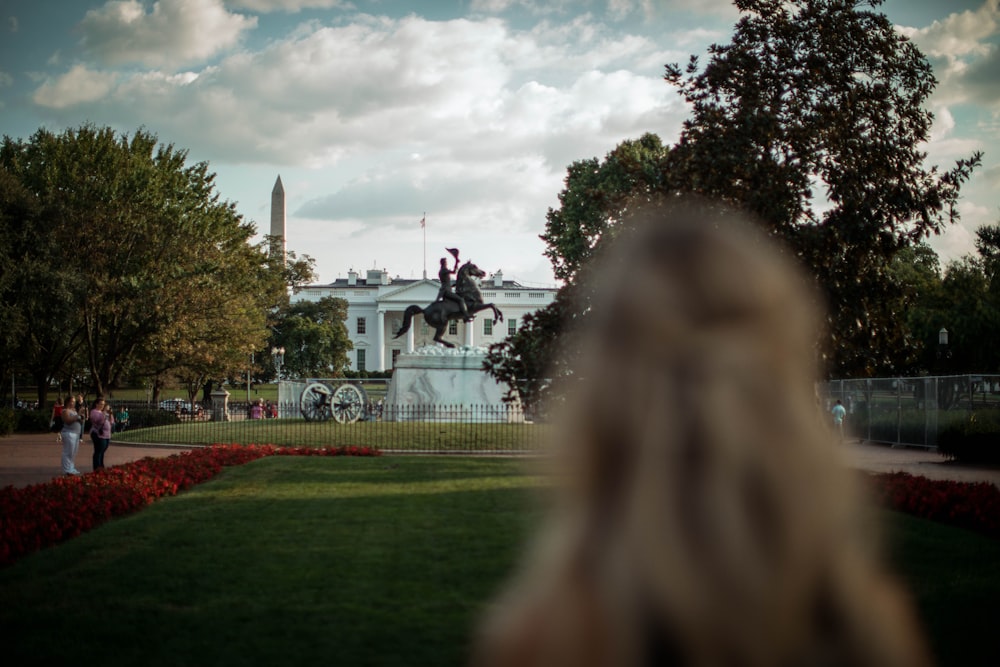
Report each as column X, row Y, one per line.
column 29, row 459
column 33, row 458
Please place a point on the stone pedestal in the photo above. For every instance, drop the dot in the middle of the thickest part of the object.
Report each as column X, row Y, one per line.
column 220, row 405
column 435, row 383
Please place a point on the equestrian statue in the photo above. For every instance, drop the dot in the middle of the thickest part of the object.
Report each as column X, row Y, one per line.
column 464, row 301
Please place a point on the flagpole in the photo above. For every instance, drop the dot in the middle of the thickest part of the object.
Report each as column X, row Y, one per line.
column 423, row 226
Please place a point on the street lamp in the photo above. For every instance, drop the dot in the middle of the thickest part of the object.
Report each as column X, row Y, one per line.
column 278, row 354
column 943, row 337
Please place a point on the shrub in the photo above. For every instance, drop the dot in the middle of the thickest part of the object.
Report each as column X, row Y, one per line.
column 8, row 420
column 146, row 417
column 33, row 421
column 975, row 440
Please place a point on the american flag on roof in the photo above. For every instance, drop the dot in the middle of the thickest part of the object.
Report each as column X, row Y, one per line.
column 423, row 221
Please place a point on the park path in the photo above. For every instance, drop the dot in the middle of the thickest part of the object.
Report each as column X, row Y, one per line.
column 33, row 458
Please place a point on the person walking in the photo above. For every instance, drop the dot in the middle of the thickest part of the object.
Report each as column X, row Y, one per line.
column 71, row 431
column 839, row 413
column 121, row 419
column 101, row 422
column 55, row 421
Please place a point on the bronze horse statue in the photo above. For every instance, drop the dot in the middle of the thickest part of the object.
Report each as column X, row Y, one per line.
column 439, row 313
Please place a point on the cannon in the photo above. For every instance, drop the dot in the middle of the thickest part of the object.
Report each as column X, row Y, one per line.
column 320, row 401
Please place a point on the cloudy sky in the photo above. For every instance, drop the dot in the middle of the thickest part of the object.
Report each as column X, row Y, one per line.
column 375, row 112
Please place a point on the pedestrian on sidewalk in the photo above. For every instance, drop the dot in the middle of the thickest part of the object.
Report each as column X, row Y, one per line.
column 839, row 413
column 71, row 431
column 101, row 422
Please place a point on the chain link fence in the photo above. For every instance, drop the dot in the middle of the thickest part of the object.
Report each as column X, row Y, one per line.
column 911, row 411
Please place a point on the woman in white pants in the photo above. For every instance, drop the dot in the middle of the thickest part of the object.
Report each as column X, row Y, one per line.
column 71, row 431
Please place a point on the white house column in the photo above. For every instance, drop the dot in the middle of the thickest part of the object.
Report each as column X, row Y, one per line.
column 469, row 331
column 409, row 336
column 380, row 339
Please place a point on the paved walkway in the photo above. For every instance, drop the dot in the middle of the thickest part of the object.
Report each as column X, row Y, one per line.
column 29, row 459
column 33, row 458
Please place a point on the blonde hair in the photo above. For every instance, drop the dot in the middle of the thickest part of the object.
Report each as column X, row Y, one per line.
column 703, row 515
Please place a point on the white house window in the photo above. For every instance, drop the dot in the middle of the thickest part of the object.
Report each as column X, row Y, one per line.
column 361, row 360
column 511, row 326
column 453, row 328
column 488, row 326
column 362, row 328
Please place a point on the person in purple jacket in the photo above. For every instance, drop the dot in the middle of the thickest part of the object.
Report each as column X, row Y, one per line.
column 101, row 423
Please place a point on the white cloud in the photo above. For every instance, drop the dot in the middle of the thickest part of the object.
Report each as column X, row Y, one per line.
column 79, row 85
column 175, row 33
column 289, row 6
column 457, row 87
column 5, row 79
column 960, row 34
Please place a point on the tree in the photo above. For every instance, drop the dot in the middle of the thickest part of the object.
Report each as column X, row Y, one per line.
column 315, row 337
column 530, row 360
column 916, row 274
column 598, row 197
column 822, row 100
column 597, row 200
column 153, row 264
column 811, row 119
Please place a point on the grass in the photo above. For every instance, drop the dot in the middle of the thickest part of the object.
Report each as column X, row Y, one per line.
column 281, row 561
column 954, row 575
column 405, row 436
column 352, row 561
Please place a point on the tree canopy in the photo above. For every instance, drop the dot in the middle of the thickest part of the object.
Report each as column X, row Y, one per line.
column 314, row 336
column 812, row 119
column 126, row 260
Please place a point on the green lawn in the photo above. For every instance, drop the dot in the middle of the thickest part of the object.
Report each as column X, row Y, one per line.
column 409, row 436
column 356, row 561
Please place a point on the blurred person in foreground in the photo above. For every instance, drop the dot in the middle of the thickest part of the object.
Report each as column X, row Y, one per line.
column 702, row 515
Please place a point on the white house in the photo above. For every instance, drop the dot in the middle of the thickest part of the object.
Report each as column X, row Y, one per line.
column 376, row 304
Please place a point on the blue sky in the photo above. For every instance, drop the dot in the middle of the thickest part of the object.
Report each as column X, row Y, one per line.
column 376, row 111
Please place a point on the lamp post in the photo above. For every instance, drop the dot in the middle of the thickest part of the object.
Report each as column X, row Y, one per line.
column 278, row 354
column 943, row 353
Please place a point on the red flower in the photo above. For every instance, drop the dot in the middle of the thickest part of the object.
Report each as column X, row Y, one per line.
column 41, row 515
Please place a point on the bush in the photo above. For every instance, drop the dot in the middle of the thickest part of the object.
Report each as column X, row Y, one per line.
column 146, row 417
column 8, row 420
column 33, row 421
column 974, row 440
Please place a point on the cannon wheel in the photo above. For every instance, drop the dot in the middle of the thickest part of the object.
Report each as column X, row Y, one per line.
column 348, row 403
column 316, row 402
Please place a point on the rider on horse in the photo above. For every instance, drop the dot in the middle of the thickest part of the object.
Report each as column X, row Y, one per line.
column 446, row 291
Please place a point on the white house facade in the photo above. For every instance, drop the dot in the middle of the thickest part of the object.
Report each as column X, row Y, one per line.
column 376, row 302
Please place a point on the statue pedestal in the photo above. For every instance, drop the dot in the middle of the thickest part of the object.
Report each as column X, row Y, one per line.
column 435, row 383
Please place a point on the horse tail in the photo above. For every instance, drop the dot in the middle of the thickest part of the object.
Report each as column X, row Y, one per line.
column 407, row 318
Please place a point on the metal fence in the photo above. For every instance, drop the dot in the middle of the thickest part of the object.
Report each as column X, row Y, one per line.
column 911, row 411
column 486, row 429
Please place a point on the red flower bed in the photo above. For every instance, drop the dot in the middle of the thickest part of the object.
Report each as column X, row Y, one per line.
column 41, row 515
column 972, row 505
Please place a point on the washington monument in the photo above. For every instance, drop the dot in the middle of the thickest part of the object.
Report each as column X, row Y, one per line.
column 278, row 218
